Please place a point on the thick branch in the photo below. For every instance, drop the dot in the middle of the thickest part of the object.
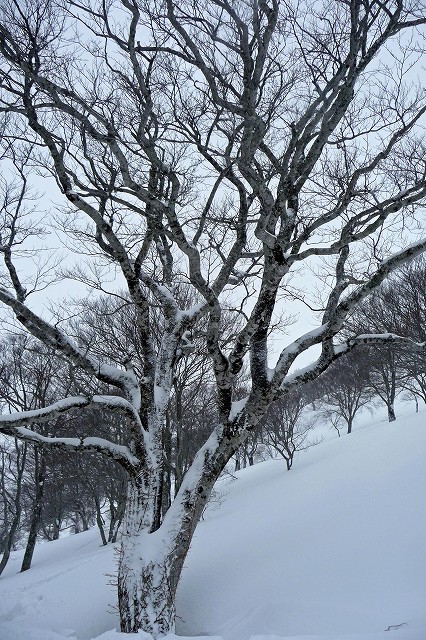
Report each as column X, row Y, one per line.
column 15, row 424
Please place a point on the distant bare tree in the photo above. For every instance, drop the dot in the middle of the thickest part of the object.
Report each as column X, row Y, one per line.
column 409, row 301
column 287, row 426
column 345, row 388
column 388, row 308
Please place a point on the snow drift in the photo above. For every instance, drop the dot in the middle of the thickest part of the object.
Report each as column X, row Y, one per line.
column 334, row 548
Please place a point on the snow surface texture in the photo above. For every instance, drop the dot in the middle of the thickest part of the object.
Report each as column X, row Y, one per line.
column 332, row 550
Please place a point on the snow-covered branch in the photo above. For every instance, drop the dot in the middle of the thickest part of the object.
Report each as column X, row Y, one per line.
column 117, row 452
column 51, row 336
column 15, row 424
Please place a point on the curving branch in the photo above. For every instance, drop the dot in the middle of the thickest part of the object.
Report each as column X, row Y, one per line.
column 15, row 424
column 53, row 337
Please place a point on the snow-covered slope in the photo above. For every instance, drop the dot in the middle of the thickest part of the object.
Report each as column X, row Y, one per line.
column 335, row 548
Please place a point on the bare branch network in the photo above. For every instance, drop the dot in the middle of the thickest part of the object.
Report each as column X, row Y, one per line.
column 214, row 149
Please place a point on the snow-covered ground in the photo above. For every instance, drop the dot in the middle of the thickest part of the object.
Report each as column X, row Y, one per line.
column 334, row 549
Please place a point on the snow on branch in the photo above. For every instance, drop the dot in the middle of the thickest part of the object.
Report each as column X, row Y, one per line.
column 12, row 420
column 313, row 370
column 385, row 268
column 120, row 453
column 290, row 353
column 379, row 338
column 54, row 337
column 15, row 424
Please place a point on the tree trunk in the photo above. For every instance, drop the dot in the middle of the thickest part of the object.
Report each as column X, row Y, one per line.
column 8, row 545
column 151, row 561
column 168, row 464
column 85, row 522
column 179, row 456
column 99, row 519
column 40, row 475
column 145, row 597
column 56, row 528
column 9, row 541
column 116, row 518
column 391, row 412
column 237, row 462
column 392, row 394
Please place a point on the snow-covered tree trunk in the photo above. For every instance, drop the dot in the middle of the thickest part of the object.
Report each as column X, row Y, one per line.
column 145, row 599
column 151, row 559
column 145, row 592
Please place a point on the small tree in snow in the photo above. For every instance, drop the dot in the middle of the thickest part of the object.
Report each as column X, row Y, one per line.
column 405, row 298
column 223, row 146
column 383, row 363
column 287, row 426
column 345, row 389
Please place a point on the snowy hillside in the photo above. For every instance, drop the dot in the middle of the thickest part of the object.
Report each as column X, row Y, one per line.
column 335, row 548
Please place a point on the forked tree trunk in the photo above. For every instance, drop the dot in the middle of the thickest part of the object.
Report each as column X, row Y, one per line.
column 145, row 598
column 151, row 561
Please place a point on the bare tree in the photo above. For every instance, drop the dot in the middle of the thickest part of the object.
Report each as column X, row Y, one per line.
column 398, row 306
column 345, row 388
column 407, row 298
column 383, row 363
column 287, row 426
column 222, row 146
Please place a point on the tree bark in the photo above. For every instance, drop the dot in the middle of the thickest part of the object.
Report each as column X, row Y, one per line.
column 391, row 412
column 144, row 595
column 21, row 456
column 40, row 475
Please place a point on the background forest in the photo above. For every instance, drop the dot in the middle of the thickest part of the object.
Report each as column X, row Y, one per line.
column 45, row 492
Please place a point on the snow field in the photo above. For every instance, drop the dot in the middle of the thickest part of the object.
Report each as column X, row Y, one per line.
column 335, row 549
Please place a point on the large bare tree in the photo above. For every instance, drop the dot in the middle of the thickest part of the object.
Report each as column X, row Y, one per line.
column 221, row 146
